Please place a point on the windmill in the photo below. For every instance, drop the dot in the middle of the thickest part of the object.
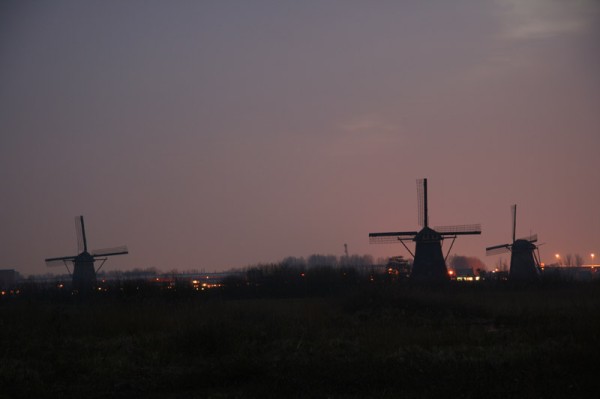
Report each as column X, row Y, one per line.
column 84, row 273
column 429, row 262
column 524, row 262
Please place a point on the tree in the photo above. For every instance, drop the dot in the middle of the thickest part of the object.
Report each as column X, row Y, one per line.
column 568, row 260
column 466, row 262
column 322, row 260
column 292, row 261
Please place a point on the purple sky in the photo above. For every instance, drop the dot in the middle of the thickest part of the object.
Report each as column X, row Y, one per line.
column 219, row 134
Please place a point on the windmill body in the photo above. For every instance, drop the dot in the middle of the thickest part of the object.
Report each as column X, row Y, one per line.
column 524, row 264
column 84, row 272
column 429, row 262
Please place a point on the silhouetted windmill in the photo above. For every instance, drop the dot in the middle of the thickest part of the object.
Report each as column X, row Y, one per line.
column 429, row 262
column 524, row 263
column 84, row 273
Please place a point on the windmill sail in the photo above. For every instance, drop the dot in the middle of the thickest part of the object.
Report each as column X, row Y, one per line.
column 122, row 250
column 459, row 229
column 53, row 262
column 498, row 249
column 80, row 231
column 513, row 210
column 422, row 202
column 391, row 237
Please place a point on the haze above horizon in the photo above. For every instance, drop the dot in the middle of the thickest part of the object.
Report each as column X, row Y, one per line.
column 213, row 135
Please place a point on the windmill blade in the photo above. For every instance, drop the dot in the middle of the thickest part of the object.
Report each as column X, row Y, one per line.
column 513, row 210
column 498, row 249
column 463, row 229
column 422, row 202
column 81, row 239
column 110, row 251
column 391, row 237
column 52, row 262
column 62, row 258
column 531, row 238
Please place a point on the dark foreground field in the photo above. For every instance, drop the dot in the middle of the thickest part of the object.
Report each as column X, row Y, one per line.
column 378, row 342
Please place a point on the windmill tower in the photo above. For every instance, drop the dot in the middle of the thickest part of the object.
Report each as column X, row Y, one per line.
column 524, row 262
column 429, row 262
column 84, row 273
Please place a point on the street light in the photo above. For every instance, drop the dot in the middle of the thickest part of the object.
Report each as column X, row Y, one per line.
column 557, row 256
column 592, row 255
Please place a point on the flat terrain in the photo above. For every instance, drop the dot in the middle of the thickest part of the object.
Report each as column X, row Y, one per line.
column 388, row 341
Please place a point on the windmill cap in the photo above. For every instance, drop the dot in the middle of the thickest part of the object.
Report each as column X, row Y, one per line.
column 522, row 245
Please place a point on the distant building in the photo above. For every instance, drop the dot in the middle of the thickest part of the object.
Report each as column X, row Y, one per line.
column 464, row 274
column 398, row 267
column 494, row 275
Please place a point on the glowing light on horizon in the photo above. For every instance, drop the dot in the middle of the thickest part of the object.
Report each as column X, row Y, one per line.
column 558, row 261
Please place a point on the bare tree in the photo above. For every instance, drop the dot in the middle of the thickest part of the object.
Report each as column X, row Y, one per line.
column 568, row 260
column 293, row 261
column 322, row 260
column 466, row 262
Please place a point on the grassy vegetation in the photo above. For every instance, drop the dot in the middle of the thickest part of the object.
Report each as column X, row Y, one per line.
column 384, row 341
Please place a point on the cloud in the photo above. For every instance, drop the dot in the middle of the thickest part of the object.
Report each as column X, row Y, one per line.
column 514, row 49
column 542, row 19
column 365, row 133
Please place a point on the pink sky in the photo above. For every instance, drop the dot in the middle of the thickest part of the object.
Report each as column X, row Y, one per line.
column 211, row 135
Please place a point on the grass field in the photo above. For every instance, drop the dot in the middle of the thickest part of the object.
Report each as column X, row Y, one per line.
column 388, row 341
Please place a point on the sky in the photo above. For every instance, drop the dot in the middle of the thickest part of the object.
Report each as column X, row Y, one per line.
column 213, row 135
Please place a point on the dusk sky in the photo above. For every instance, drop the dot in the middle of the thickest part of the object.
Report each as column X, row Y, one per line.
column 220, row 134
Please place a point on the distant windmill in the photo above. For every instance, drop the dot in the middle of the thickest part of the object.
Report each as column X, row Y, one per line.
column 84, row 273
column 429, row 262
column 524, row 262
